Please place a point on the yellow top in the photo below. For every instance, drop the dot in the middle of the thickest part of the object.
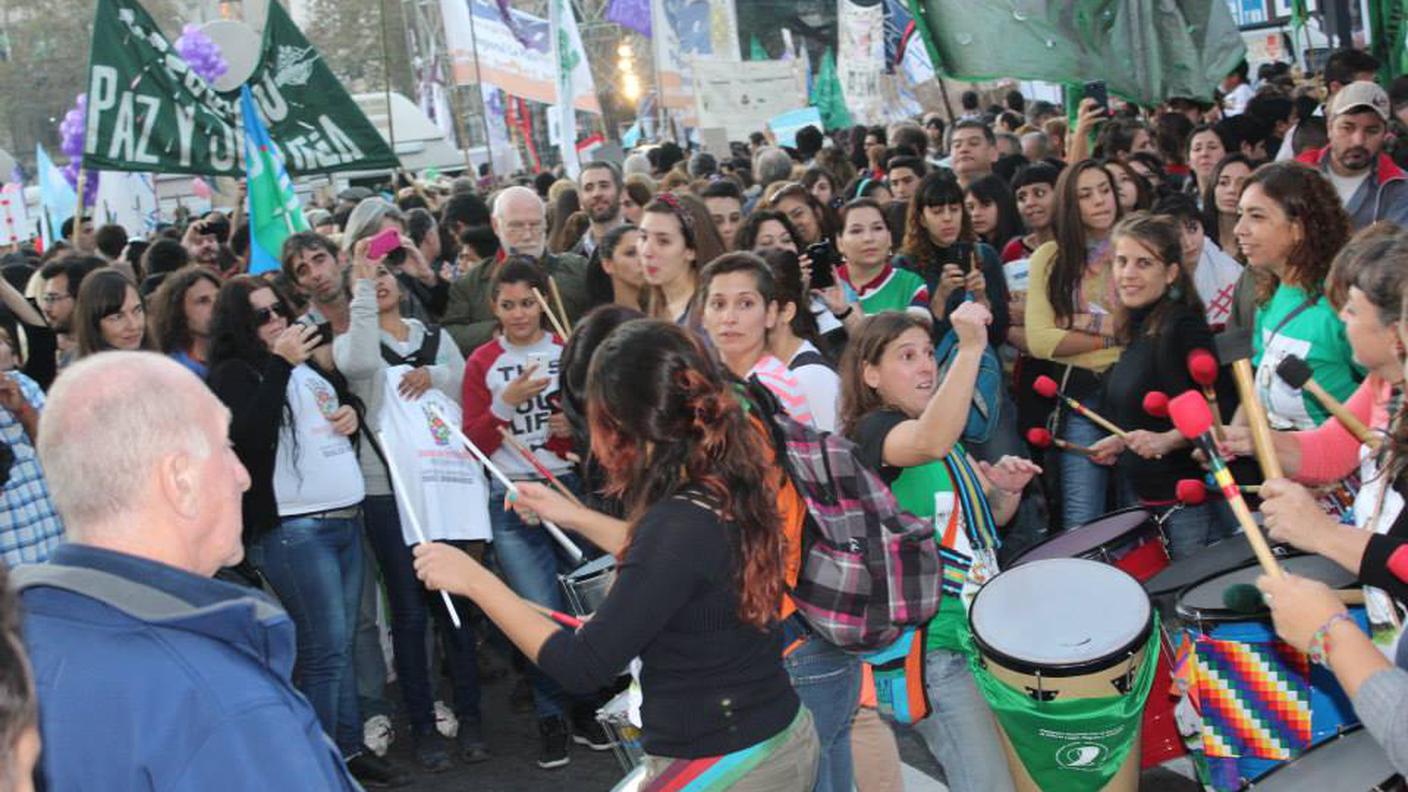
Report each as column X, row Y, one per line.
column 1043, row 334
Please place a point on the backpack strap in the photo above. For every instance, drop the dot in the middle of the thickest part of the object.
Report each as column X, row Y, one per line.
column 809, row 358
column 135, row 599
column 424, row 356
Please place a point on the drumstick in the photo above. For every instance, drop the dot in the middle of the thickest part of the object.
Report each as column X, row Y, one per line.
column 1236, row 348
column 552, row 317
column 558, row 616
column 1047, row 387
column 532, row 458
column 556, row 533
column 1193, row 419
column 399, row 488
column 1202, row 367
column 1297, row 374
column 557, row 300
column 1042, row 438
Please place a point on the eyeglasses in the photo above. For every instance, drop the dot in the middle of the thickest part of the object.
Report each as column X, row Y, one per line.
column 519, row 226
column 263, row 316
column 51, row 297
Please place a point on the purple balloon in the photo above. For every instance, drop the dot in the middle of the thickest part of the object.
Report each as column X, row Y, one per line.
column 201, row 53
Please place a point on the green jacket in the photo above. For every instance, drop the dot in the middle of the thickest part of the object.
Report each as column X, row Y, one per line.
column 469, row 317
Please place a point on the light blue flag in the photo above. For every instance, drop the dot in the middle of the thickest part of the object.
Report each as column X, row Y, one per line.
column 57, row 197
column 274, row 210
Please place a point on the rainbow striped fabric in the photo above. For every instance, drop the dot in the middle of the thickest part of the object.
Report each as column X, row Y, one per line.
column 716, row 773
column 1254, row 698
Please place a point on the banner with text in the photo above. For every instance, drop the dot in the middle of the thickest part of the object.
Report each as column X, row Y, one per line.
column 149, row 112
column 743, row 101
column 686, row 32
column 524, row 70
column 860, row 58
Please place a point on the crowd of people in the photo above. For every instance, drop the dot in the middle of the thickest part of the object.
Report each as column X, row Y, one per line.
column 203, row 492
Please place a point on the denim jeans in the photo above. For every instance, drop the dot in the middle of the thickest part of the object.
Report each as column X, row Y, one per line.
column 961, row 733
column 314, row 565
column 828, row 682
column 1192, row 528
column 367, row 655
column 411, row 606
column 531, row 561
column 1083, row 483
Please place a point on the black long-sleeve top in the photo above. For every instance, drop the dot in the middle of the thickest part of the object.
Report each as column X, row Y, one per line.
column 255, row 397
column 1158, row 363
column 711, row 684
column 993, row 276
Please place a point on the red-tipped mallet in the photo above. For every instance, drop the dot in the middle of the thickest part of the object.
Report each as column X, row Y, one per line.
column 1203, row 367
column 1191, row 492
column 1047, row 387
column 1193, row 419
column 1041, row 438
column 1156, row 404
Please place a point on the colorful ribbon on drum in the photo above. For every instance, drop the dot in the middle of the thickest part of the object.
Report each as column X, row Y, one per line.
column 1254, row 698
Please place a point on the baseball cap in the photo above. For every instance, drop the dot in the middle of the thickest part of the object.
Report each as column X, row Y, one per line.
column 1358, row 95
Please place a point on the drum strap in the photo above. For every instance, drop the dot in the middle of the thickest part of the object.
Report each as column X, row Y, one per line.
column 982, row 528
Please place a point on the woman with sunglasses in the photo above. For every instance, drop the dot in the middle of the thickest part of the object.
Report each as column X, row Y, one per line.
column 291, row 425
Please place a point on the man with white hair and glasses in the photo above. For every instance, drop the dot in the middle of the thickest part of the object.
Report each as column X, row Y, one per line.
column 519, row 221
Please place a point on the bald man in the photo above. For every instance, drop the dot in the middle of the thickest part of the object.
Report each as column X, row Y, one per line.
column 520, row 222
column 151, row 674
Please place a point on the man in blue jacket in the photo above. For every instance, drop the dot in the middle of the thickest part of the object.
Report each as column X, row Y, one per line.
column 151, row 674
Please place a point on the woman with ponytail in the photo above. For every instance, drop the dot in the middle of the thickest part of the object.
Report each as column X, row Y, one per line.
column 701, row 573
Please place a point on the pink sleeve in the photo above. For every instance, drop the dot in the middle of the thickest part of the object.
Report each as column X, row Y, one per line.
column 1329, row 452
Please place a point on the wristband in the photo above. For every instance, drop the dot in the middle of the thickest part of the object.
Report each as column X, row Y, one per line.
column 1320, row 641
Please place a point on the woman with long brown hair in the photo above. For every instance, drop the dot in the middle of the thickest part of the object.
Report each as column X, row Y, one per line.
column 677, row 239
column 900, row 415
column 700, row 579
column 1070, row 300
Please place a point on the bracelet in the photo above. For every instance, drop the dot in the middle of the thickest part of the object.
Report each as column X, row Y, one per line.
column 850, row 309
column 1320, row 641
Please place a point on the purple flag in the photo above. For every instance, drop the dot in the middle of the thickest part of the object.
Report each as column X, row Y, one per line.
column 634, row 14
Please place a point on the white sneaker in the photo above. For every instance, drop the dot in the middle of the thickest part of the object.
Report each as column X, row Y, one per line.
column 378, row 734
column 445, row 721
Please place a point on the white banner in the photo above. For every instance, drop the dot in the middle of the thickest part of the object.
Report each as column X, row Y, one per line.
column 14, row 218
column 860, row 59
column 685, row 32
column 743, row 100
column 519, row 60
column 129, row 200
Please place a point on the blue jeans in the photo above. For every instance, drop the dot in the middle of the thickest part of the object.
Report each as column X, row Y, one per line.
column 1192, row 528
column 411, row 606
column 314, row 565
column 961, row 733
column 828, row 682
column 531, row 561
column 1083, row 483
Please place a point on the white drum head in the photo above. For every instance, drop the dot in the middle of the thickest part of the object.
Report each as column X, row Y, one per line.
column 1060, row 612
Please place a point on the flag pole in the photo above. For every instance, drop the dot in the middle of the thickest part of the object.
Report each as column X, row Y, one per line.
column 386, row 77
column 479, row 88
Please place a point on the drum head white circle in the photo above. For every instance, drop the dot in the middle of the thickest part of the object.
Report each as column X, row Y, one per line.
column 239, row 46
column 1060, row 612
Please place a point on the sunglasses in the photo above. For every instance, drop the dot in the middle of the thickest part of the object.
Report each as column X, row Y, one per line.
column 263, row 316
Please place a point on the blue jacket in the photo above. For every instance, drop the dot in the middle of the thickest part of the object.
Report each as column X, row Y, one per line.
column 150, row 677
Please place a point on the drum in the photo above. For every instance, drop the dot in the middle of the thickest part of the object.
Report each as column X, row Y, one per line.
column 586, row 586
column 1205, row 615
column 1352, row 762
column 615, row 718
column 1230, row 553
column 1064, row 628
column 1129, row 538
column 633, row 782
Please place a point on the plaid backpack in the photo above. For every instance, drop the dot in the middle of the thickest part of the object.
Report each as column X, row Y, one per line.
column 869, row 570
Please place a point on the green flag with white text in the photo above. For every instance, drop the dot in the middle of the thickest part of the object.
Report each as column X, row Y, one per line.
column 309, row 114
column 148, row 111
column 1146, row 50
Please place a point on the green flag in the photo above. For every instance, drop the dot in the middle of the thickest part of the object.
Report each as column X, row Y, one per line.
column 755, row 49
column 147, row 111
column 274, row 210
column 309, row 114
column 827, row 96
column 1146, row 50
column 1389, row 21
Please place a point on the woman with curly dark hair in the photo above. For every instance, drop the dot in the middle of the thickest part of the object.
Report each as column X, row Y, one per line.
column 701, row 573
column 1291, row 228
